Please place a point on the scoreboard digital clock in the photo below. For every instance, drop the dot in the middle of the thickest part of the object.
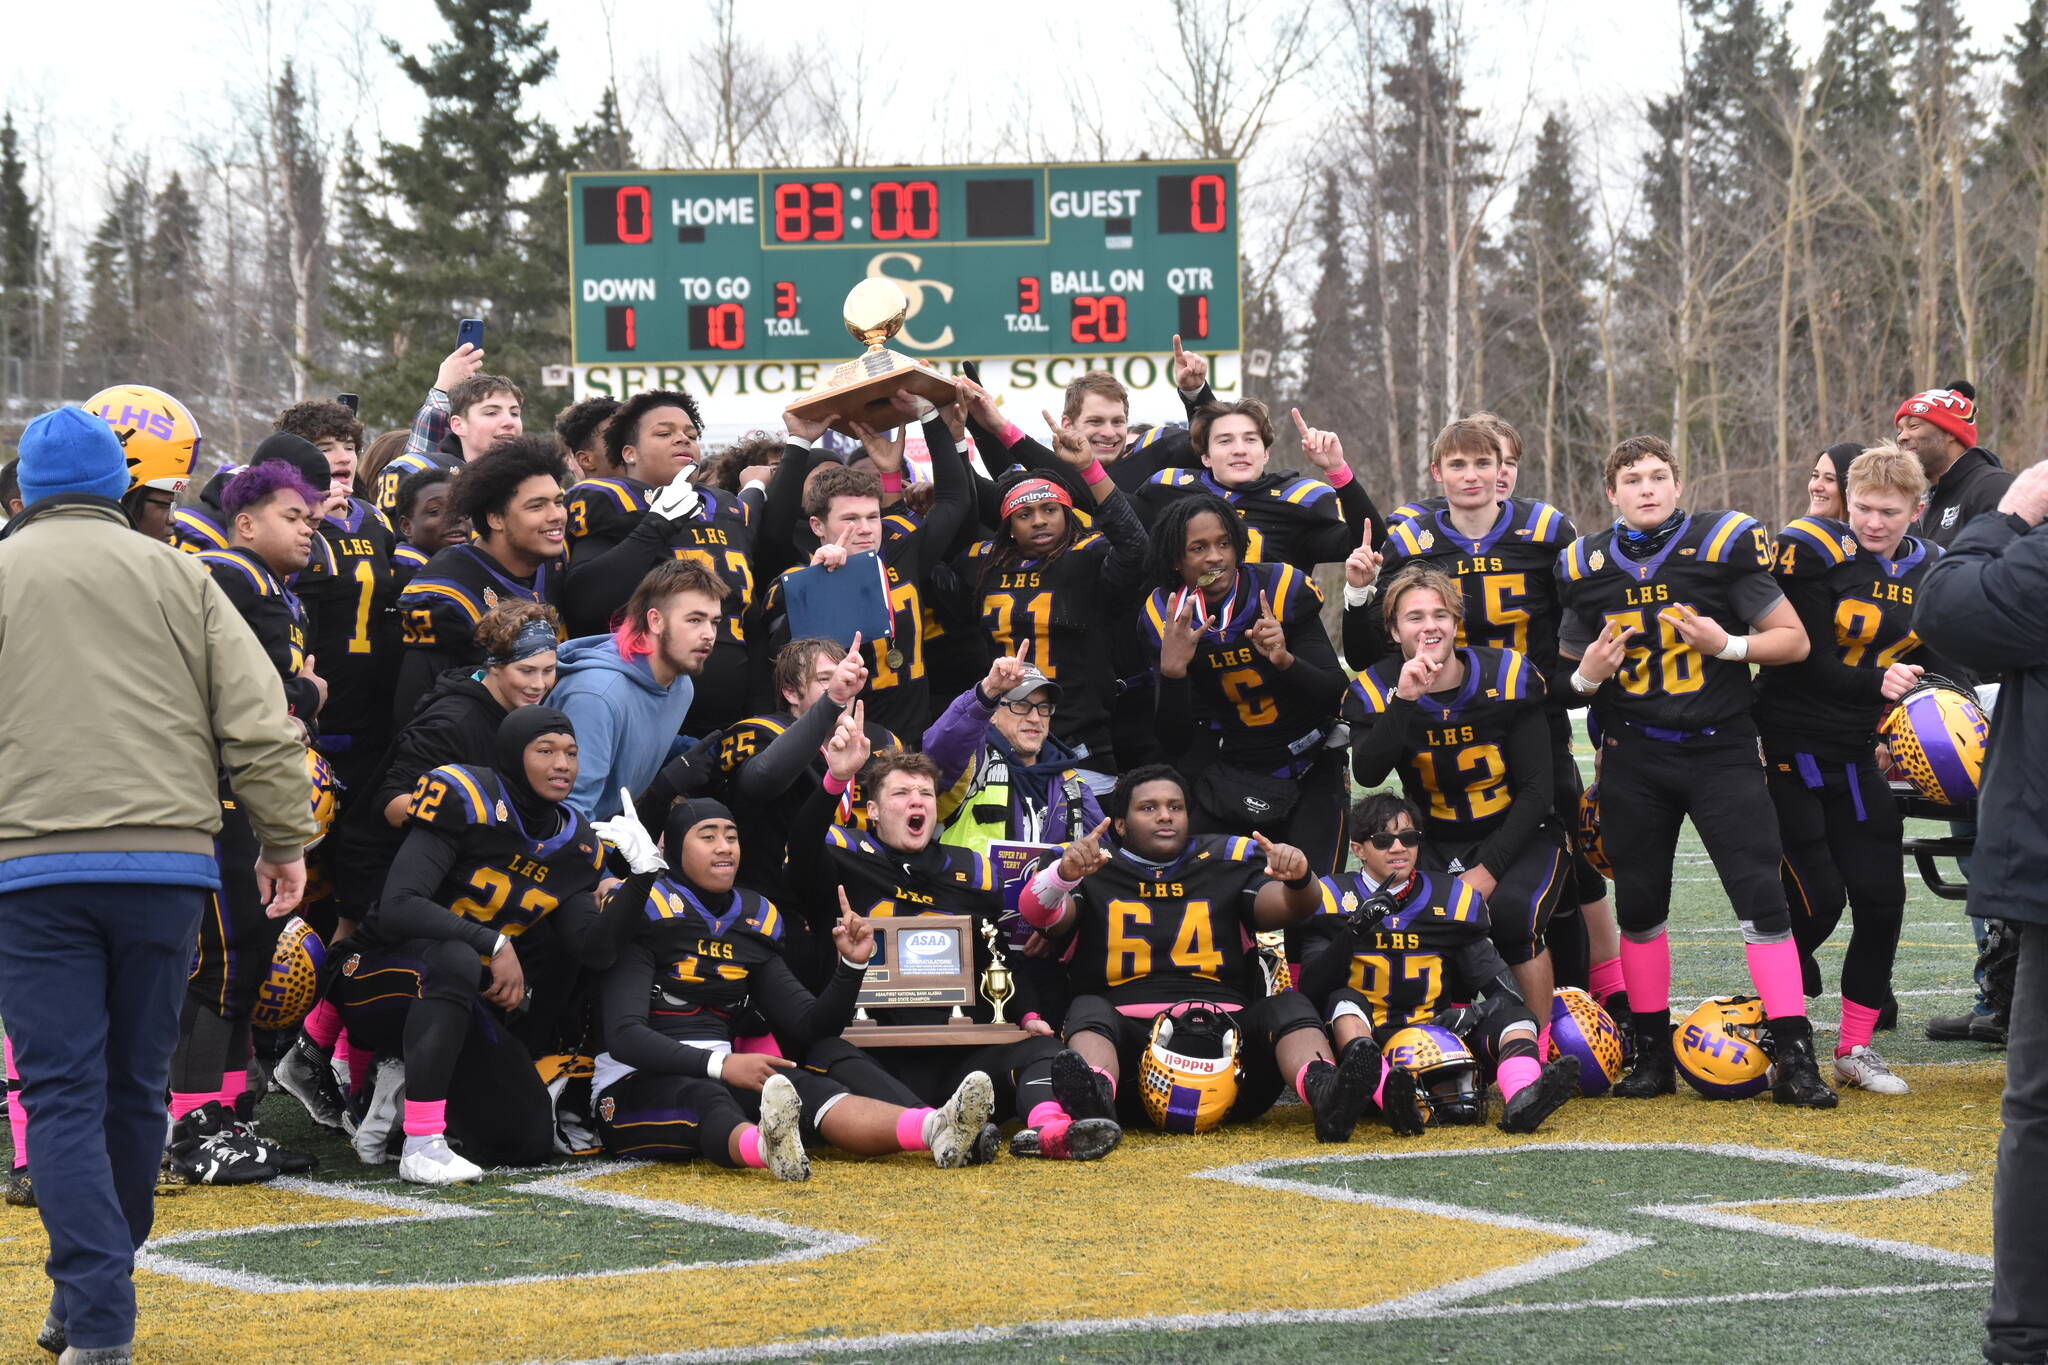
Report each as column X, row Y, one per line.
column 668, row 267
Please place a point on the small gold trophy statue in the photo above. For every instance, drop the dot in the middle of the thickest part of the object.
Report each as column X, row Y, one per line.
column 997, row 986
column 860, row 390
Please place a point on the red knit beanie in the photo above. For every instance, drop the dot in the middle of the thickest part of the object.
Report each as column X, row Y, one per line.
column 1953, row 409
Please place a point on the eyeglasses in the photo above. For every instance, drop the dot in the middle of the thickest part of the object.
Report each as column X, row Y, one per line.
column 1026, row 708
column 1384, row 840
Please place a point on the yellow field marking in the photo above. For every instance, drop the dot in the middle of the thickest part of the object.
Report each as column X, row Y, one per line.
column 1020, row 1241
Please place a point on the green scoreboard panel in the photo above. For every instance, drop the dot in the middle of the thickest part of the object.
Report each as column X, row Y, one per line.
column 675, row 266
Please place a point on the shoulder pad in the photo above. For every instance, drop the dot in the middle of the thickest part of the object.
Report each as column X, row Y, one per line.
column 1152, row 626
column 745, row 738
column 1289, row 586
column 1303, row 492
column 763, row 918
column 456, row 795
column 981, row 549
column 1237, row 848
column 1813, row 545
column 1520, row 680
column 1330, row 893
column 1091, row 538
column 1172, row 478
column 969, row 868
column 404, row 553
column 899, row 524
column 439, row 594
column 1410, row 539
column 1409, row 511
column 195, row 531
column 620, row 495
column 1372, row 693
column 849, row 840
column 1574, row 560
column 229, row 568
column 1545, row 524
column 1465, row 905
column 1734, row 538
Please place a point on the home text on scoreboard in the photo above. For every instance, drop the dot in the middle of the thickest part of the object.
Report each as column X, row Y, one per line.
column 674, row 266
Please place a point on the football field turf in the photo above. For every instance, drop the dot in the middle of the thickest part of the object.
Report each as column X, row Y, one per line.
column 1672, row 1230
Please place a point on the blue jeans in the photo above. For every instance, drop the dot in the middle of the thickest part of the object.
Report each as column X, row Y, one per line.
column 91, row 976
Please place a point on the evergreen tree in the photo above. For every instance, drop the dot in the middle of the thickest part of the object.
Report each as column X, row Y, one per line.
column 1551, row 349
column 21, row 258
column 464, row 222
column 171, row 287
column 295, row 257
column 604, row 143
column 110, row 340
column 1334, row 388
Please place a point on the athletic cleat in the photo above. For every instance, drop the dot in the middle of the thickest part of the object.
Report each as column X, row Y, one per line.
column 20, row 1192
column 1068, row 1140
column 1795, row 1074
column 952, row 1129
column 1655, row 1070
column 1399, row 1103
column 1542, row 1097
column 381, row 1117
column 307, row 1075
column 782, row 1146
column 205, row 1151
column 52, row 1337
column 1080, row 1089
column 429, row 1160
column 987, row 1143
column 282, row 1157
column 1865, row 1070
column 1338, row 1092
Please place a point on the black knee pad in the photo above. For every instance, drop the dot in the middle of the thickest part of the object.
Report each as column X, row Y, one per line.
column 1094, row 1014
column 1772, row 924
column 1279, row 1015
column 451, row 971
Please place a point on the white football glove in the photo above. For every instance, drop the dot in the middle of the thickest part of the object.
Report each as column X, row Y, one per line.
column 625, row 833
column 677, row 501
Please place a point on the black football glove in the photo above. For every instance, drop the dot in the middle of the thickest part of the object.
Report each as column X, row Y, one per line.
column 1371, row 911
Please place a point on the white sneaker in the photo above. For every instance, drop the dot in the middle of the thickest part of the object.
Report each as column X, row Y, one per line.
column 951, row 1130
column 430, row 1160
column 782, row 1146
column 385, row 1112
column 1866, row 1070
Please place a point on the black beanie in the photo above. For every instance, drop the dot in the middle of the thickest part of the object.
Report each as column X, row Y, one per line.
column 298, row 452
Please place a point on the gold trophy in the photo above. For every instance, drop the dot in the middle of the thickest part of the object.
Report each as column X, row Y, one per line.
column 997, row 986
column 860, row 390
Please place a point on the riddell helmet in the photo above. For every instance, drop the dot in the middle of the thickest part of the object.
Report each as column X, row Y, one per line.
column 326, row 794
column 1188, row 1077
column 157, row 433
column 1580, row 1028
column 1589, row 831
column 1720, row 1048
column 293, row 982
column 1936, row 734
column 1446, row 1073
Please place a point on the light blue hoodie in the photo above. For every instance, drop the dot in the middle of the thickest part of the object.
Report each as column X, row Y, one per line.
column 625, row 721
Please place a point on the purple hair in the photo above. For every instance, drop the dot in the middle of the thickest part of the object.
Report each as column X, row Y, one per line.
column 260, row 481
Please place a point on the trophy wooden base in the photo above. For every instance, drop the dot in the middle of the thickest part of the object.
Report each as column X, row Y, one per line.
column 846, row 398
column 961, row 1033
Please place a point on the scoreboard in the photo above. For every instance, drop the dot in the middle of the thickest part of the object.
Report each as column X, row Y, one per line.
column 668, row 267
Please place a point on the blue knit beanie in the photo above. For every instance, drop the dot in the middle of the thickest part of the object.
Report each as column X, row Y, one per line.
column 71, row 451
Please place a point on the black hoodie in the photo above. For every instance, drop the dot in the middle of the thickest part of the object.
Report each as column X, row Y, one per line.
column 1973, row 485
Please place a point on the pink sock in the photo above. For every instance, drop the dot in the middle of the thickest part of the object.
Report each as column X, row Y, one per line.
column 183, row 1104
column 910, row 1130
column 1107, row 1077
column 17, row 1117
column 750, row 1146
column 360, row 1061
column 1386, row 1068
column 1543, row 1044
column 1606, row 979
column 1301, row 1081
column 1044, row 1112
column 1774, row 968
column 424, row 1118
column 1646, row 969
column 232, row 1084
column 1858, row 1023
column 323, row 1026
column 1514, row 1073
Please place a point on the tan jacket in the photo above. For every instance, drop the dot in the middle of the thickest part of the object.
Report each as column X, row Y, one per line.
column 124, row 671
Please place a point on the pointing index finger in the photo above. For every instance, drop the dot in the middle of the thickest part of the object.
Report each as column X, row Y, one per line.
column 1299, row 425
column 1177, row 352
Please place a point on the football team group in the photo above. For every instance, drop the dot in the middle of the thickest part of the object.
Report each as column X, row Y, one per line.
column 602, row 837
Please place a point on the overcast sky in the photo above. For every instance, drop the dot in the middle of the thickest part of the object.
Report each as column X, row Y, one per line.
column 111, row 79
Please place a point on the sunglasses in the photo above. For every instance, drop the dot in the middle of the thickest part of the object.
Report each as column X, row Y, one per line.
column 1025, row 708
column 1406, row 838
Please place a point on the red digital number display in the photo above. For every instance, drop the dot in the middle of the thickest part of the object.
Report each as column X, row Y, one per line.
column 785, row 299
column 1099, row 320
column 1205, row 203
column 1027, row 294
column 717, row 326
column 810, row 213
column 899, row 210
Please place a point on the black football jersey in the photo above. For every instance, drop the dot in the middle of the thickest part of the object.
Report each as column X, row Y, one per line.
column 407, row 559
column 1453, row 763
column 440, row 607
column 1061, row 609
column 767, row 822
column 274, row 614
column 705, row 961
column 400, row 468
column 1718, row 564
column 353, row 609
column 601, row 512
column 502, row 877
column 1830, row 704
column 1287, row 519
column 1148, row 935
column 1407, row 968
column 1506, row 576
column 1263, row 721
column 940, row 879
